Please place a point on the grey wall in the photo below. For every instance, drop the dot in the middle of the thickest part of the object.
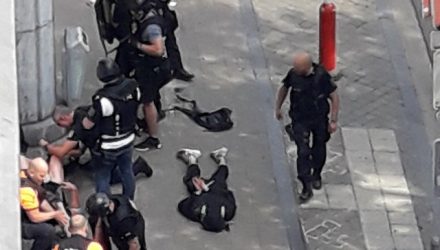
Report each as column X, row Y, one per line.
column 9, row 149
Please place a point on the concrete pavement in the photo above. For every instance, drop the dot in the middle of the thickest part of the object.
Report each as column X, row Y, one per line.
column 232, row 62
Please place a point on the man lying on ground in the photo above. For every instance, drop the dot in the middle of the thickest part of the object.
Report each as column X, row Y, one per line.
column 210, row 203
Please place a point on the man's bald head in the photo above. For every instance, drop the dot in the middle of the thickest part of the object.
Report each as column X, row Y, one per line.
column 302, row 63
column 78, row 224
column 38, row 169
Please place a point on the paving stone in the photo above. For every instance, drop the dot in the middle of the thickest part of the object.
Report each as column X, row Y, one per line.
column 360, row 162
column 341, row 196
column 368, row 199
column 394, row 184
column 404, row 242
column 398, row 230
column 383, row 140
column 376, row 229
column 388, row 163
column 356, row 139
column 403, row 218
column 398, row 203
column 319, row 200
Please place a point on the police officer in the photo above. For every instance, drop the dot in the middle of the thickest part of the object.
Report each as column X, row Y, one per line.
column 210, row 203
column 152, row 67
column 172, row 24
column 122, row 21
column 311, row 89
column 120, row 218
column 79, row 139
column 78, row 241
column 114, row 116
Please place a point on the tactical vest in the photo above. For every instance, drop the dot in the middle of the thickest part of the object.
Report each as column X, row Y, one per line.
column 89, row 137
column 76, row 242
column 123, row 210
column 307, row 100
column 124, row 96
column 137, row 29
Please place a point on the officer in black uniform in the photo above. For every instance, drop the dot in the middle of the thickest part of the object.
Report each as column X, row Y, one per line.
column 121, row 219
column 152, row 67
column 311, row 89
column 210, row 203
column 122, row 21
column 172, row 24
column 79, row 139
column 113, row 115
column 78, row 241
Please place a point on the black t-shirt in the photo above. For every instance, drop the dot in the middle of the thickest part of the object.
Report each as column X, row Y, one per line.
column 309, row 94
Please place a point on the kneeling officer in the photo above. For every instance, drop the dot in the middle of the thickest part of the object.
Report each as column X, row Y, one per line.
column 121, row 220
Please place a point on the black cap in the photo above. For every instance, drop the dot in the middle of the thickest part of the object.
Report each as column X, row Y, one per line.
column 107, row 70
column 97, row 204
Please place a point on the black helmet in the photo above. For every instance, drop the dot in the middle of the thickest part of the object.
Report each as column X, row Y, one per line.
column 107, row 70
column 97, row 204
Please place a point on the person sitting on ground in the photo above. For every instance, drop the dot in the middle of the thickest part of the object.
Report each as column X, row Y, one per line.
column 210, row 203
column 80, row 137
column 36, row 212
column 78, row 241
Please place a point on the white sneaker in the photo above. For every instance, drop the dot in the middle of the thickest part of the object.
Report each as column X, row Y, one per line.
column 216, row 155
column 184, row 154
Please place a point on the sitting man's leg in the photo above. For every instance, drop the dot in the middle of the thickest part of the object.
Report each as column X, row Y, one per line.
column 222, row 173
column 43, row 235
column 190, row 158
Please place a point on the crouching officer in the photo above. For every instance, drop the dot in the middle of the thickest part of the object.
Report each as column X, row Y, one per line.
column 210, row 203
column 311, row 89
column 120, row 220
column 114, row 115
column 152, row 67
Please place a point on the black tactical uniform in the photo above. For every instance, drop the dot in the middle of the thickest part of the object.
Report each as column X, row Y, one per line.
column 212, row 208
column 152, row 72
column 309, row 110
column 123, row 224
column 122, row 19
column 115, row 106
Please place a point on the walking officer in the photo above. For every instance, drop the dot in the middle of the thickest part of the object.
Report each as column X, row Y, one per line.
column 117, row 216
column 114, row 115
column 152, row 67
column 311, row 89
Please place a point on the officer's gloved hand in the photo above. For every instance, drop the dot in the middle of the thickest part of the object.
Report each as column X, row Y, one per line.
column 133, row 41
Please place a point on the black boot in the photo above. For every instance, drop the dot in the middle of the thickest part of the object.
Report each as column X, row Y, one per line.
column 306, row 193
column 317, row 184
column 140, row 166
column 183, row 75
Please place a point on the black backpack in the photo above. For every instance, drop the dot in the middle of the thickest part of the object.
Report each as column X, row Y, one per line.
column 216, row 121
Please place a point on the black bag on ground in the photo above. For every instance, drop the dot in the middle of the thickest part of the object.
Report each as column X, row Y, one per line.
column 217, row 121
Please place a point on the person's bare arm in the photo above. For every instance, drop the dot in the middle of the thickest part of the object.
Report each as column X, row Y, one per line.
column 74, row 196
column 156, row 48
column 62, row 150
column 281, row 96
column 36, row 216
column 100, row 235
column 334, row 105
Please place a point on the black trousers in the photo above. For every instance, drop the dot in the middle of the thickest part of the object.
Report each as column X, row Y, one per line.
column 43, row 235
column 173, row 52
column 139, row 231
column 122, row 244
column 311, row 156
column 123, row 58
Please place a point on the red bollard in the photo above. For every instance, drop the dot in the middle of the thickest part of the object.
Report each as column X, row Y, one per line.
column 327, row 35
